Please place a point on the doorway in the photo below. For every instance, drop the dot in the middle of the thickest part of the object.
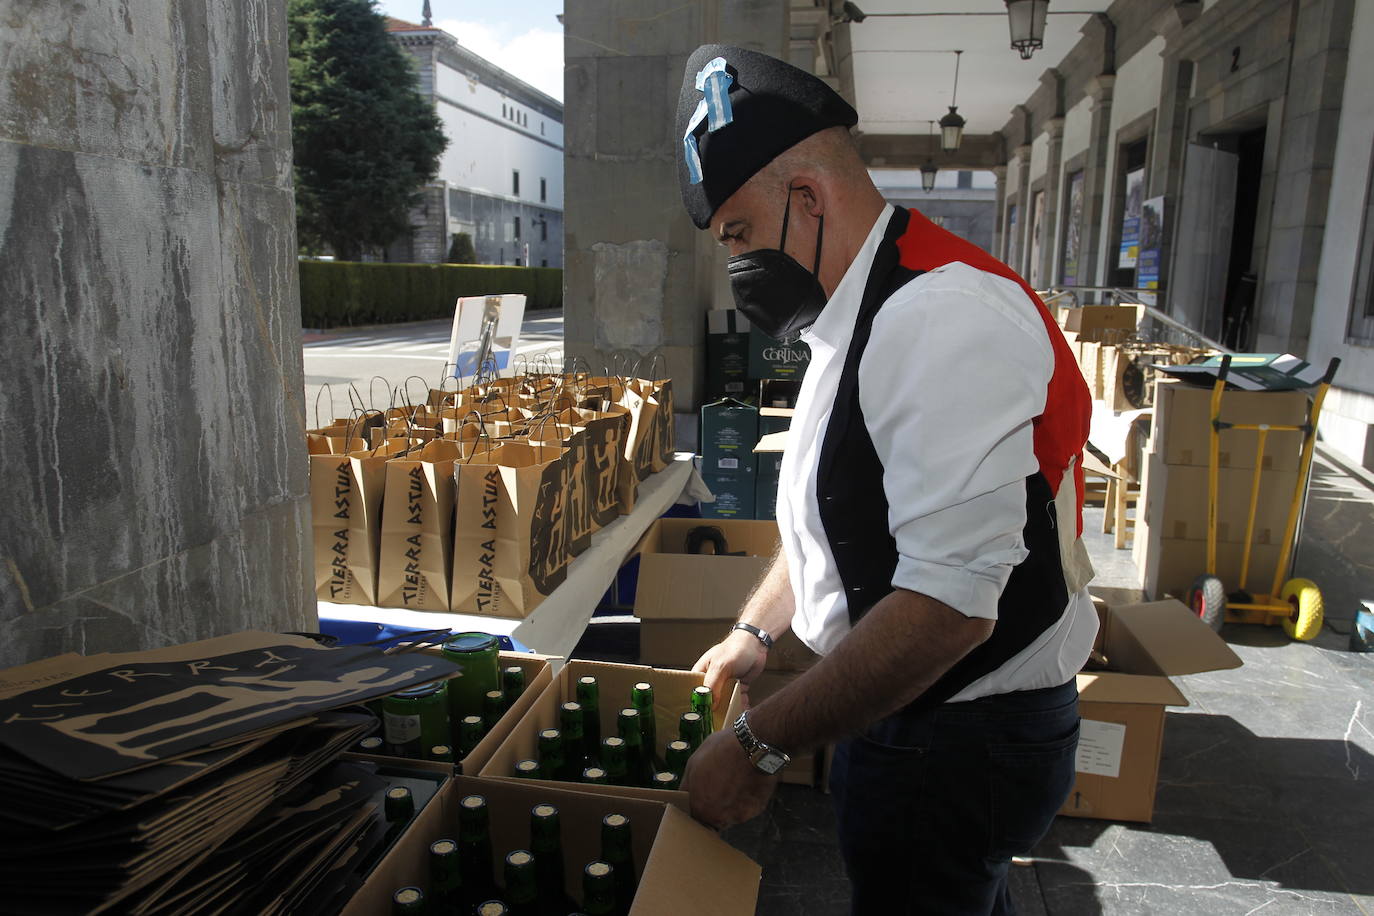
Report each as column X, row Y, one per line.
column 1242, row 275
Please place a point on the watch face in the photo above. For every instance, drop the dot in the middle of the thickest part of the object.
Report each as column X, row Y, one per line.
column 770, row 762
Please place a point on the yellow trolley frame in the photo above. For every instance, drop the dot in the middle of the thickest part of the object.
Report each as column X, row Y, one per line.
column 1296, row 604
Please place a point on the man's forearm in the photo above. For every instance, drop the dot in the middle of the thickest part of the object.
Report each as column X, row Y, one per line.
column 771, row 604
column 894, row 654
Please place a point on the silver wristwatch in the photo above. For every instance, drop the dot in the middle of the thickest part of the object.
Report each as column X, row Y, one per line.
column 765, row 759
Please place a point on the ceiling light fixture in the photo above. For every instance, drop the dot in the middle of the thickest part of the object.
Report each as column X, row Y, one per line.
column 1027, row 21
column 952, row 125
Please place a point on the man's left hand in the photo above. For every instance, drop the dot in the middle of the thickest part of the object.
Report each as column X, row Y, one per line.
column 726, row 789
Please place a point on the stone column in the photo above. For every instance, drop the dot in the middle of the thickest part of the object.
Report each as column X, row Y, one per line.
column 999, row 224
column 1095, row 176
column 1054, row 130
column 1022, row 156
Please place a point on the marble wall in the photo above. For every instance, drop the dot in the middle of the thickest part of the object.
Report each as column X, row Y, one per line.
column 152, row 469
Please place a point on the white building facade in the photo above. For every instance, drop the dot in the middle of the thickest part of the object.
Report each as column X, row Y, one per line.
column 501, row 178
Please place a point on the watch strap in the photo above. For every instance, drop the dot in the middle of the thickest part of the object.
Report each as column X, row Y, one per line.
column 760, row 634
column 754, row 748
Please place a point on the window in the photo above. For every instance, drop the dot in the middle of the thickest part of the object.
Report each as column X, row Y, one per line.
column 515, row 182
column 517, row 227
column 541, row 128
column 519, row 263
column 543, row 230
column 543, row 190
column 543, row 262
column 504, row 112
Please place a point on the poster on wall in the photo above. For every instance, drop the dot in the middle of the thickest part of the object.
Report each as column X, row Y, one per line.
column 1130, row 219
column 1011, row 234
column 1036, row 227
column 1151, row 236
column 1073, row 231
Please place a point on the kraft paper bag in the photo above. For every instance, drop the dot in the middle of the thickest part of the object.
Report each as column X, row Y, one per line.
column 531, row 531
column 659, row 393
column 417, row 528
column 578, row 512
column 643, row 414
column 477, row 489
column 604, row 432
column 334, row 500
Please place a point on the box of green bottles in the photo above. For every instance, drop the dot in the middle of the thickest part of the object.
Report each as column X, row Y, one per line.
column 467, row 744
column 536, row 848
column 634, row 726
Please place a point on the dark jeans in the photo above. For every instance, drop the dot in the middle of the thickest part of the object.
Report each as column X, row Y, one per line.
column 933, row 804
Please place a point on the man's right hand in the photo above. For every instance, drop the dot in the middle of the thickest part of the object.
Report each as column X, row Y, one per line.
column 739, row 657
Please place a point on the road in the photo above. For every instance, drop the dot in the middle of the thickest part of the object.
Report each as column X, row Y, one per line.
column 375, row 360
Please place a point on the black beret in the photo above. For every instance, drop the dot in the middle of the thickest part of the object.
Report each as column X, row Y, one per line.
column 775, row 106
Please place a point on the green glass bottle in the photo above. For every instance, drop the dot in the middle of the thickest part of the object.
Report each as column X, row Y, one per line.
column 615, row 761
column 399, row 805
column 522, row 885
column 408, row 901
column 598, row 889
column 617, row 849
column 689, row 729
column 589, row 698
column 551, row 754
column 492, row 908
column 677, row 755
column 471, row 731
column 640, row 768
column 445, row 876
column 478, row 654
column 595, row 776
column 416, row 719
column 442, row 753
column 575, row 756
column 371, row 745
column 701, row 705
column 527, row 769
column 642, row 699
column 474, row 849
column 546, row 842
column 667, row 779
column 513, row 683
column 493, row 708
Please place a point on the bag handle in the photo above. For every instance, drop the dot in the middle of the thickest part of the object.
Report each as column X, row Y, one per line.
column 324, row 386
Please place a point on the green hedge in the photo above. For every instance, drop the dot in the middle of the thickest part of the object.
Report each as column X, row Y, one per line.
column 337, row 293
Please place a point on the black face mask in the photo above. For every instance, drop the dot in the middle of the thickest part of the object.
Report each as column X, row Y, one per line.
column 775, row 292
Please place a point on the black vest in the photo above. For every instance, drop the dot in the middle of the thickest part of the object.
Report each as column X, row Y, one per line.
column 854, row 508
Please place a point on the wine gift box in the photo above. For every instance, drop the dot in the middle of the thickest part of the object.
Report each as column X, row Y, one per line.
column 682, row 866
column 672, row 698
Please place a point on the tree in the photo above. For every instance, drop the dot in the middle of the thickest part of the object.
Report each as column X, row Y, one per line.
column 365, row 140
column 461, row 250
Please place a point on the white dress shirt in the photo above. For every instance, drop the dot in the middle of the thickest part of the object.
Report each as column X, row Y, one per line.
column 952, row 376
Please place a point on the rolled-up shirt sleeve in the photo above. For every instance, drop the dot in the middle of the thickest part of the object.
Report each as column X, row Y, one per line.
column 953, row 375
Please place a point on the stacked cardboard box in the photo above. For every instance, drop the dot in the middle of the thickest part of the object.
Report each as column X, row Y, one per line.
column 1170, row 547
column 772, row 420
column 727, row 354
column 729, row 431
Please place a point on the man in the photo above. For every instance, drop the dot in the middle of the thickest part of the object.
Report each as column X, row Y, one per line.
column 929, row 507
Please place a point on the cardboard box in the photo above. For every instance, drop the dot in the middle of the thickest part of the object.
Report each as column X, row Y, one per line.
column 811, row 769
column 769, row 358
column 1174, row 502
column 1182, row 426
column 683, row 866
column 686, row 603
column 1090, row 362
column 672, row 698
column 1169, row 566
column 727, row 354
column 766, row 499
column 729, row 431
column 1123, row 708
column 1109, row 323
column 734, row 496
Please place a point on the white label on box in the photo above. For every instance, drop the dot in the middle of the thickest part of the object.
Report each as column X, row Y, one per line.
column 728, row 463
column 1099, row 748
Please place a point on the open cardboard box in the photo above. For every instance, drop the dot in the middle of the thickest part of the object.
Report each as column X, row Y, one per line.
column 687, row 603
column 672, row 698
column 1122, row 708
column 683, row 867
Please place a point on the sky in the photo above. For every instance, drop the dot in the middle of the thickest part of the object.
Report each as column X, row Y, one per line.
column 521, row 37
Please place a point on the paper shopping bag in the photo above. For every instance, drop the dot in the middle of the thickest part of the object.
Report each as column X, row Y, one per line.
column 417, row 528
column 477, row 489
column 334, row 500
column 604, row 432
column 578, row 510
column 531, row 532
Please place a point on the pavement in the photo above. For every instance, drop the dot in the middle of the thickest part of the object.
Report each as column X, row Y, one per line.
column 1266, row 782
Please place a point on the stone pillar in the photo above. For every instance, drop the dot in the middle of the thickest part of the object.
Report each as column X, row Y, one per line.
column 1020, row 245
column 638, row 276
column 999, row 225
column 151, row 396
column 1095, row 176
column 1054, row 130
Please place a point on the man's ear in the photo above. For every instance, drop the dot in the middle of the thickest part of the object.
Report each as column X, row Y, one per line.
column 810, row 194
